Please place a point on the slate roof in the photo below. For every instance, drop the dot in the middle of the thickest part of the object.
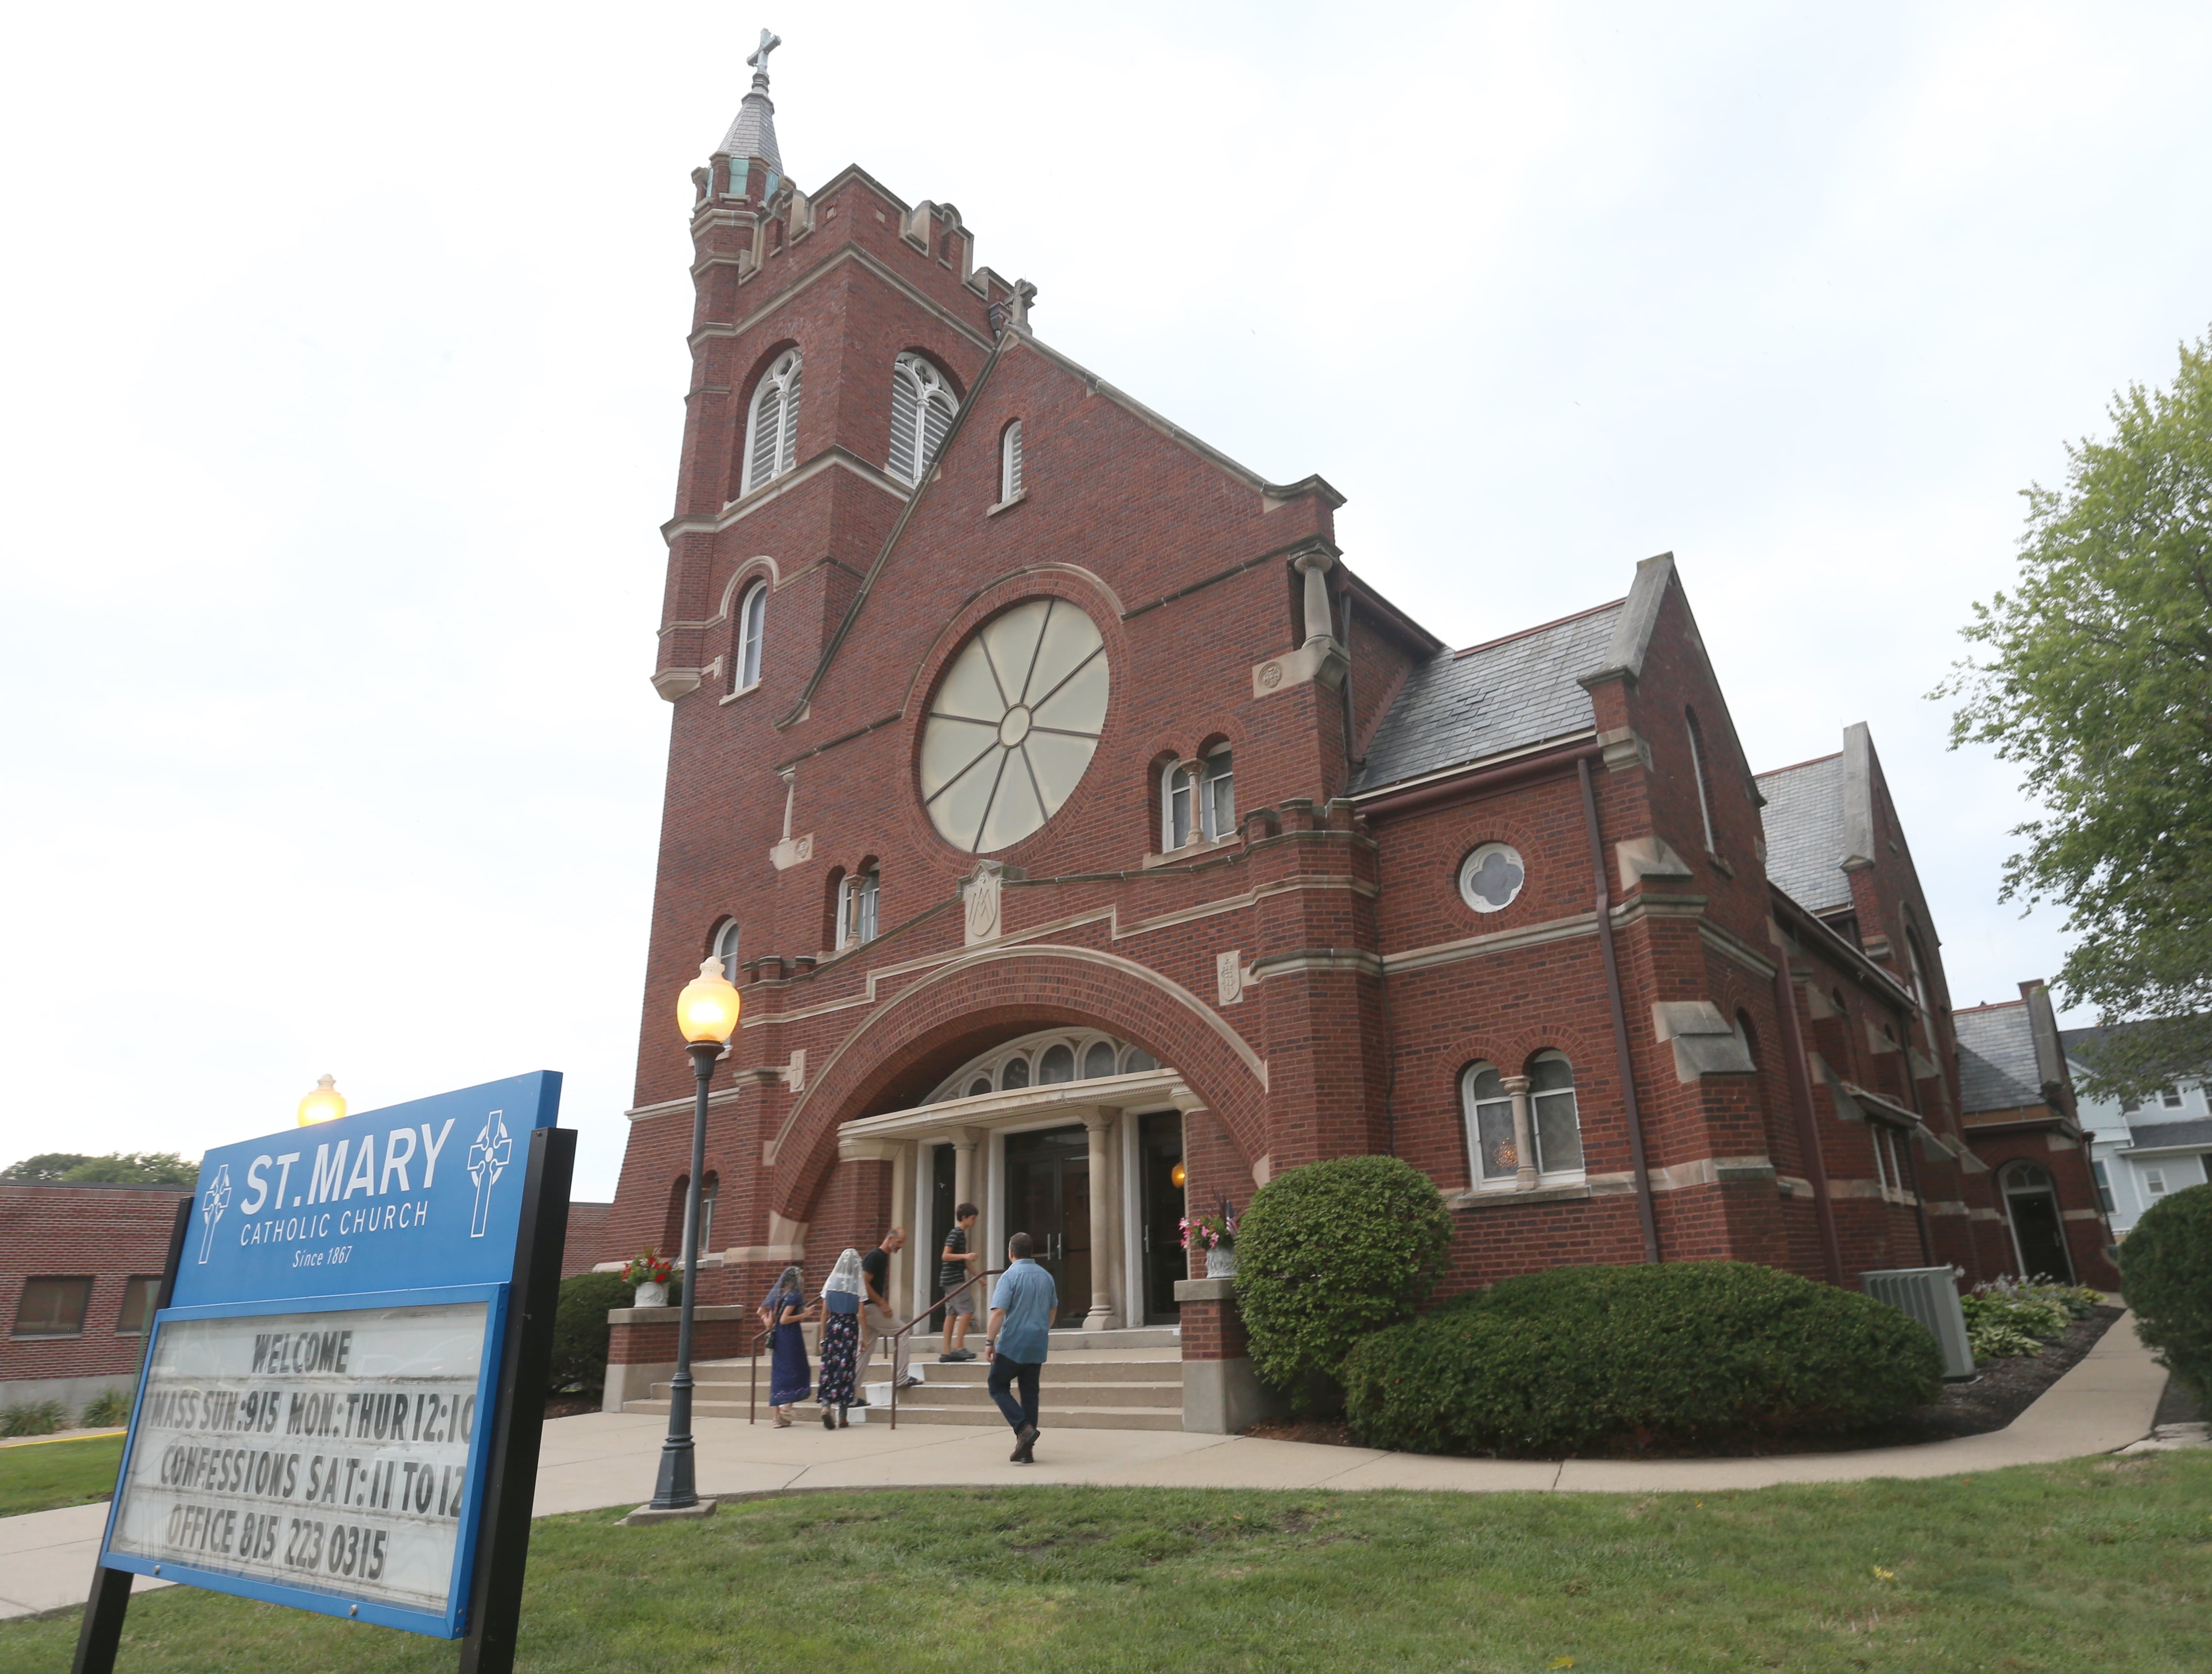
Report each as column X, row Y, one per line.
column 752, row 134
column 1461, row 706
column 1804, row 819
column 1997, row 1058
column 2157, row 1136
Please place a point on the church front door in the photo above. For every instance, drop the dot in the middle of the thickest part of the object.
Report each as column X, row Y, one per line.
column 1049, row 1196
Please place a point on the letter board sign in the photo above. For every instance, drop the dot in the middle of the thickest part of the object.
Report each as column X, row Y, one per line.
column 312, row 1425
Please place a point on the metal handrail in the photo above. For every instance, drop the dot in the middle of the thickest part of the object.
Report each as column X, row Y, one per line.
column 892, row 1337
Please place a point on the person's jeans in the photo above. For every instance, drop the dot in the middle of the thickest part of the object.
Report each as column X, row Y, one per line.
column 877, row 1323
column 1003, row 1372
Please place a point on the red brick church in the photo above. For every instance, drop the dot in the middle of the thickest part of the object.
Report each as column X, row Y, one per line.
column 1088, row 838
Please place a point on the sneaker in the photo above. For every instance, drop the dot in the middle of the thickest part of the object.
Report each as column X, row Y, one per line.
column 910, row 1382
column 948, row 1357
column 1025, row 1445
column 962, row 1354
column 858, row 1401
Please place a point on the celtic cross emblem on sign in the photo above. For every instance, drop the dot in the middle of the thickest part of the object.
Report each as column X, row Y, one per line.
column 488, row 1161
column 213, row 1202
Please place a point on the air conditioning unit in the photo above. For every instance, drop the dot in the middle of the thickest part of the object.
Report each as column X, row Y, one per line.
column 1930, row 1294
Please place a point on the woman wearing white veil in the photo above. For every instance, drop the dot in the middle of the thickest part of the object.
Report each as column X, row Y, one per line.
column 842, row 1295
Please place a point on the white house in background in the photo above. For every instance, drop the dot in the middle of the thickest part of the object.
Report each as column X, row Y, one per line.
column 2141, row 1149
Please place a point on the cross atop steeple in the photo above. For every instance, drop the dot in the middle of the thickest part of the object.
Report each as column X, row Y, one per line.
column 753, row 133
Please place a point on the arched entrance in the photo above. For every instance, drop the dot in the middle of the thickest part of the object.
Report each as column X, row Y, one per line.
column 1069, row 1134
column 2039, row 1230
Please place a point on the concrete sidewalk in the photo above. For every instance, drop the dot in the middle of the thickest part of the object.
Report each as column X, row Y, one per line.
column 608, row 1460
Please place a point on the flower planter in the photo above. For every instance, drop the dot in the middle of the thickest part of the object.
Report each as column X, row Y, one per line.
column 651, row 1296
column 1221, row 1262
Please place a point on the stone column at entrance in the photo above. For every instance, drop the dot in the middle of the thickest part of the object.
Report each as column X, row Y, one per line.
column 1105, row 1221
column 964, row 1141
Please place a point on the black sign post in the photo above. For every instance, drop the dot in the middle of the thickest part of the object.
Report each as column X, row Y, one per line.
column 102, row 1630
column 511, row 1485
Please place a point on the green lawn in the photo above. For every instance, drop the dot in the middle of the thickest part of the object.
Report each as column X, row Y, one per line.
column 2103, row 1565
column 46, row 1474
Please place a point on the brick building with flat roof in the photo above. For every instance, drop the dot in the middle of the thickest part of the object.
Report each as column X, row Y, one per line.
column 1089, row 839
column 79, row 1268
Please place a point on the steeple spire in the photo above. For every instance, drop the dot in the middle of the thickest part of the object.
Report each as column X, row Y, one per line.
column 753, row 133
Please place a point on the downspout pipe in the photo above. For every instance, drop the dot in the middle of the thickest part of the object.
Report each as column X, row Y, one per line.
column 1809, row 1131
column 1619, row 1015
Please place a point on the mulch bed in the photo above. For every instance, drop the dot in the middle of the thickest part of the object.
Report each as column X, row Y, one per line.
column 1999, row 1392
column 570, row 1406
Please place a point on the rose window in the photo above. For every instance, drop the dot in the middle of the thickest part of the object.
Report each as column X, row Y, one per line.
column 1013, row 724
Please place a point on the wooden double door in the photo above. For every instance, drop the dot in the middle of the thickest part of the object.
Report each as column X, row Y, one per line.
column 1048, row 1198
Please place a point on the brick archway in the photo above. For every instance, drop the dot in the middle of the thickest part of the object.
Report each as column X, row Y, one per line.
column 1011, row 990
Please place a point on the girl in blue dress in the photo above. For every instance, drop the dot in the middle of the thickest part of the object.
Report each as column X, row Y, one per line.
column 841, row 1338
column 782, row 1314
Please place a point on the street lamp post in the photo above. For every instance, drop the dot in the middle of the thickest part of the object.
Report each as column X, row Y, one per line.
column 707, row 1012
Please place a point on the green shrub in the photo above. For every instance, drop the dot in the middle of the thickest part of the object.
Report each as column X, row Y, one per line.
column 1692, row 1352
column 107, row 1409
column 2166, row 1275
column 1330, row 1251
column 33, row 1418
column 580, row 1332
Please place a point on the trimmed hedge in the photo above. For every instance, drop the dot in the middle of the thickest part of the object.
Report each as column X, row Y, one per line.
column 2165, row 1276
column 1691, row 1351
column 580, row 1333
column 1330, row 1251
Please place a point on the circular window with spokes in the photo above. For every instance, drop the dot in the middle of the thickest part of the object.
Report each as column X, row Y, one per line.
column 1013, row 724
column 1490, row 877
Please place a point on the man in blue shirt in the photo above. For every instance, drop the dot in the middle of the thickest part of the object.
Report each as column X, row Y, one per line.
column 1020, row 1330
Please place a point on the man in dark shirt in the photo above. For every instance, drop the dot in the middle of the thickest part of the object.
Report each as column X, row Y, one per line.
column 956, row 1265
column 876, row 1318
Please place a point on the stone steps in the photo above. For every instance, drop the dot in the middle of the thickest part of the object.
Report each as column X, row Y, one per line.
column 1056, row 1415
column 1117, row 1380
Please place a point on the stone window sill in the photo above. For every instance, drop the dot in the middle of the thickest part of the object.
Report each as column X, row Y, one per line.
column 1008, row 505
column 1570, row 1192
column 1190, row 851
column 1719, row 864
column 742, row 691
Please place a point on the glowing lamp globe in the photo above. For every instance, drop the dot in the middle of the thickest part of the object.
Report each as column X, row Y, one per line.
column 325, row 1103
column 707, row 1010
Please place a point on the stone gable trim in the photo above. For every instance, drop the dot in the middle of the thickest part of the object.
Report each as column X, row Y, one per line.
column 1275, row 493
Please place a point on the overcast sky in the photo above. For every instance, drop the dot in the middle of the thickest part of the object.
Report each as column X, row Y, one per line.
column 344, row 358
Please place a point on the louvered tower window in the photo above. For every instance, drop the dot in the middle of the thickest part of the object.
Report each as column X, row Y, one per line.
column 1009, row 463
column 772, row 431
column 921, row 412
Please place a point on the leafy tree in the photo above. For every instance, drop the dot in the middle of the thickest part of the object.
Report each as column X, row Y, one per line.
column 115, row 1169
column 46, row 1166
column 2096, row 677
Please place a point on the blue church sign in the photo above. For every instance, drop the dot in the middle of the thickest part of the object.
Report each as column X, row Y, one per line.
column 313, row 1424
